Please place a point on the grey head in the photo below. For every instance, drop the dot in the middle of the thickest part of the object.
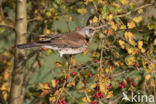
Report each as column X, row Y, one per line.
column 87, row 31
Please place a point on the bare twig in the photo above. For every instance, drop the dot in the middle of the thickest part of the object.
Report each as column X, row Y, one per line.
column 141, row 7
column 88, row 99
column 116, row 100
column 7, row 25
column 59, row 95
column 27, row 77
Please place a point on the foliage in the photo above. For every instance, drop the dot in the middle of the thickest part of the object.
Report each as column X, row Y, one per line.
column 121, row 57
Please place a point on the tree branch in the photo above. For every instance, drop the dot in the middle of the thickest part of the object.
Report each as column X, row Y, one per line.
column 19, row 64
column 141, row 7
column 7, row 26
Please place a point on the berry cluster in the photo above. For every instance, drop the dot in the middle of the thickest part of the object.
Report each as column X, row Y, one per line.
column 98, row 95
column 73, row 73
column 93, row 102
column 61, row 102
column 122, row 84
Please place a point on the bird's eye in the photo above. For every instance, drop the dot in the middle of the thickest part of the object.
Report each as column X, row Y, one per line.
column 91, row 30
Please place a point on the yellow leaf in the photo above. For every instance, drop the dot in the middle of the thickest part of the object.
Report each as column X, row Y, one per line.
column 116, row 63
column 48, row 14
column 116, row 5
column 70, row 18
column 52, row 98
column 122, row 44
column 140, row 44
column 44, row 85
column 53, row 82
column 131, row 25
column 137, row 19
column 129, row 35
column 130, row 60
column 5, row 86
column 48, row 31
column 109, row 17
column 90, row 21
column 95, row 19
column 93, row 86
column 36, row 11
column 154, row 43
column 84, row 99
column 82, row 11
column 6, row 74
column 123, row 27
column 131, row 41
column 113, row 25
column 143, row 50
column 85, row 52
column 131, row 51
column 58, row 64
column 49, row 51
column 132, row 4
column 153, row 83
column 124, row 2
column 148, row 76
column 39, row 17
column 94, row 54
column 107, row 70
column 151, row 66
column 111, row 68
column 110, row 94
column 140, row 11
column 73, row 60
column 151, row 26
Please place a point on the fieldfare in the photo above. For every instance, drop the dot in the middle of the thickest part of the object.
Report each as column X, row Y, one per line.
column 65, row 43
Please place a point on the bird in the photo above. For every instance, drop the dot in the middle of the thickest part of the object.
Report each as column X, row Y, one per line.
column 65, row 43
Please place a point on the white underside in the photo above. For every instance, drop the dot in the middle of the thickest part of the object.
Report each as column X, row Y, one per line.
column 63, row 51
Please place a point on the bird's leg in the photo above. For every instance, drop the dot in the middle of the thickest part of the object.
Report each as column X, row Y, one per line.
column 70, row 64
column 68, row 59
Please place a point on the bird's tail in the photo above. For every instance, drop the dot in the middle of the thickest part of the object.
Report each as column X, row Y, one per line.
column 28, row 45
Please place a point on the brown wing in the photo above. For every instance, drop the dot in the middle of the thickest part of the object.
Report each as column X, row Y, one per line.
column 72, row 40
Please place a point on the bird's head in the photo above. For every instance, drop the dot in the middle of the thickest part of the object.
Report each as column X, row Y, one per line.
column 87, row 31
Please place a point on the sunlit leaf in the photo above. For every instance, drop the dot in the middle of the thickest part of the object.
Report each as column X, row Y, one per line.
column 82, row 11
column 130, row 60
column 124, row 2
column 131, row 25
column 137, row 19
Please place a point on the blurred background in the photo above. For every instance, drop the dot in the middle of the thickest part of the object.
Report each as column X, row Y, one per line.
column 120, row 58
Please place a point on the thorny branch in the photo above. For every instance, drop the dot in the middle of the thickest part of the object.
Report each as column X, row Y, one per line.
column 141, row 7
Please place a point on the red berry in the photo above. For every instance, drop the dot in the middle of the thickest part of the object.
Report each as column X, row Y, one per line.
column 96, row 96
column 63, row 101
column 63, row 79
column 100, row 93
column 124, row 84
column 104, row 63
column 90, row 75
column 73, row 73
column 102, row 96
column 67, row 76
column 97, row 61
column 57, row 81
column 135, row 64
column 109, row 87
column 134, row 84
column 93, row 102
